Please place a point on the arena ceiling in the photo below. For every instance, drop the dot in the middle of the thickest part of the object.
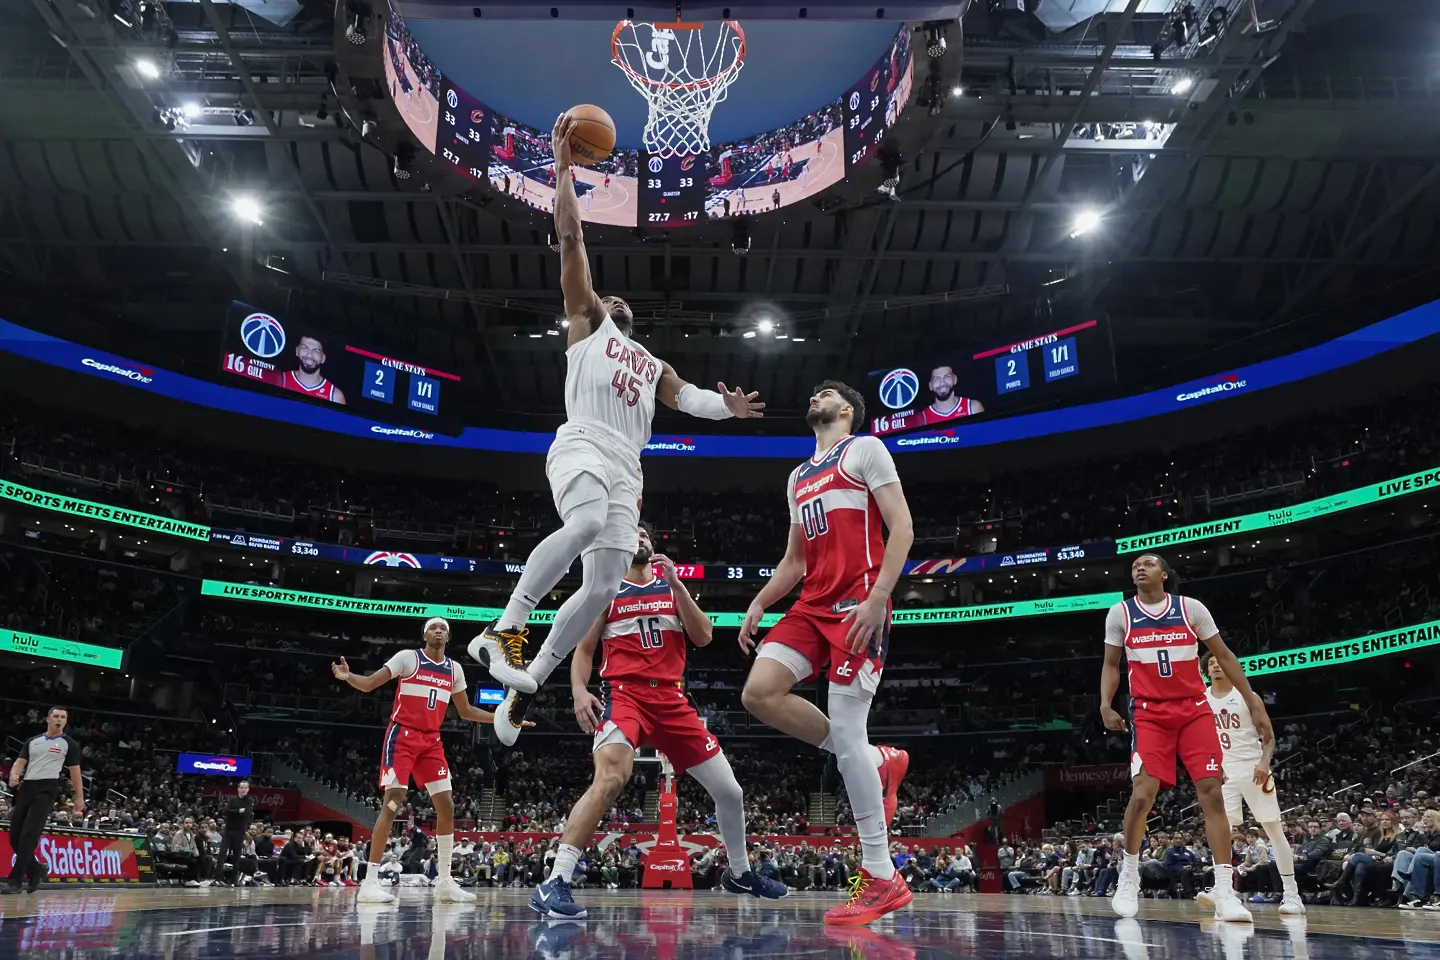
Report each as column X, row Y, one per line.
column 1303, row 168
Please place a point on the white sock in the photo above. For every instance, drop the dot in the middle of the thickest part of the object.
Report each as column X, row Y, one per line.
column 718, row 779
column 854, row 755
column 1224, row 878
column 565, row 860
column 444, row 849
column 1132, row 863
column 602, row 571
column 372, row 872
column 1280, row 850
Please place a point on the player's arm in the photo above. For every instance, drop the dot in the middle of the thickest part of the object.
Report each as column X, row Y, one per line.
column 582, row 305
column 697, row 626
column 337, row 395
column 78, row 785
column 362, row 683
column 873, row 614
column 469, row 711
column 787, row 574
column 17, row 769
column 1110, row 672
column 976, row 406
column 588, row 708
column 722, row 403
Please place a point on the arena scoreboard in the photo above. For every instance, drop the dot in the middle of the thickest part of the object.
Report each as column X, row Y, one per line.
column 330, row 368
column 672, row 190
column 466, row 129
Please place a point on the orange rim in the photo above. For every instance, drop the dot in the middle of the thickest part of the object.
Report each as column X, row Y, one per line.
column 700, row 84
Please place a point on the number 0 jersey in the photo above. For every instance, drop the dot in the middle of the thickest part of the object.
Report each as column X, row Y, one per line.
column 831, row 501
column 1162, row 646
column 611, row 380
column 643, row 636
column 423, row 689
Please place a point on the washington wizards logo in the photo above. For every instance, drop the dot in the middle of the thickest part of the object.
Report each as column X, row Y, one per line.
column 389, row 558
column 899, row 388
column 262, row 335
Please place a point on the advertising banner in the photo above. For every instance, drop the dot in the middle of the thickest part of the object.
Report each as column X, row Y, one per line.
column 1102, row 776
column 215, row 766
column 88, row 856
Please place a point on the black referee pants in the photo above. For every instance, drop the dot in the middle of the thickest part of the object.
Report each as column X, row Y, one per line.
column 33, row 803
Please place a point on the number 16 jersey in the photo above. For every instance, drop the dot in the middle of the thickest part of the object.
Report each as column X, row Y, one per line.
column 643, row 636
column 831, row 501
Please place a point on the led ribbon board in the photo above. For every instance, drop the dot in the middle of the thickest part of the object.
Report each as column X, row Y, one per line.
column 103, row 512
column 1344, row 651
column 55, row 648
column 395, row 608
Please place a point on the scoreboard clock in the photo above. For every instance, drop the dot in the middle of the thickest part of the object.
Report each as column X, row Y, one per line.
column 672, row 190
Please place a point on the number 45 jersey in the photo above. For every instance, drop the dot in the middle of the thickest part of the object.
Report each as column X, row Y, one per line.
column 643, row 637
column 1162, row 646
column 832, row 501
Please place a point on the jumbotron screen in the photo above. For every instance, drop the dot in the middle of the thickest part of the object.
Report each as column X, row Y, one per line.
column 329, row 368
column 631, row 188
column 995, row 379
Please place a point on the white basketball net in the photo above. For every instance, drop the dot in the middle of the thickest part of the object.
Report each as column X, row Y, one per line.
column 682, row 71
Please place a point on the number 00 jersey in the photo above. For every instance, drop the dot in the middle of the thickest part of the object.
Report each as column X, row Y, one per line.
column 423, row 688
column 611, row 380
column 643, row 637
column 832, row 502
column 1162, row 646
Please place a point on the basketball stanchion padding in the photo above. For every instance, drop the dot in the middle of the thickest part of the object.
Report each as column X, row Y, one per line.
column 667, row 864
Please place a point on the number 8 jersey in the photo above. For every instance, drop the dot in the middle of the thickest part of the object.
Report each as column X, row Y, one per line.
column 1162, row 646
column 643, row 636
column 831, row 501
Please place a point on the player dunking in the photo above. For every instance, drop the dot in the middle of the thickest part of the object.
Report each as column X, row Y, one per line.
column 1159, row 635
column 611, row 384
column 1246, row 766
column 429, row 681
column 838, row 500
column 643, row 704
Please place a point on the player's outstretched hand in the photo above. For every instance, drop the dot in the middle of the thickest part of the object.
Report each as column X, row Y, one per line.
column 866, row 620
column 748, row 626
column 1262, row 774
column 740, row 403
column 560, row 141
column 668, row 573
column 1113, row 720
column 588, row 710
column 341, row 670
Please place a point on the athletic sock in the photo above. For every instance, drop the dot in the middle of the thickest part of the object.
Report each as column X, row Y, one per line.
column 372, row 872
column 1224, row 879
column 444, row 850
column 565, row 860
column 718, row 779
column 854, row 755
column 1132, row 862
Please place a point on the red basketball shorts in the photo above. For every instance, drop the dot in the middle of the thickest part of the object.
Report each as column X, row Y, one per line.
column 408, row 753
column 821, row 640
column 1162, row 729
column 659, row 716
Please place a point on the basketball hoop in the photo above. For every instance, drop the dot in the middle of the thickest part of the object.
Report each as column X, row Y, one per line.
column 681, row 77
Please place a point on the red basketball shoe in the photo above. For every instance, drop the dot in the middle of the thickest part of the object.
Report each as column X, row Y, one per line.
column 894, row 763
column 870, row 899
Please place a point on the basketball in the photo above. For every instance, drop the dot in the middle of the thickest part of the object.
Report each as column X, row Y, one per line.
column 594, row 136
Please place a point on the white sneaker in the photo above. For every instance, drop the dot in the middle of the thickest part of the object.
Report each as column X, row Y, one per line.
column 1126, row 902
column 510, row 715
column 192, row 883
column 1228, row 908
column 1206, row 898
column 448, row 891
column 372, row 892
column 490, row 649
column 1292, row 906
column 1073, row 892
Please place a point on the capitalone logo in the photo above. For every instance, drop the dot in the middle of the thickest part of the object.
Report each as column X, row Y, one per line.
column 401, row 432
column 143, row 375
column 1225, row 384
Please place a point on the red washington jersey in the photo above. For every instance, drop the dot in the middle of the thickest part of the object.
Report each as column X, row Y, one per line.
column 643, row 634
column 423, row 690
column 831, row 501
column 1162, row 646
column 324, row 390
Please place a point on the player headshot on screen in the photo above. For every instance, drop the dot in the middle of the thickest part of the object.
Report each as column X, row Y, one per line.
column 947, row 405
column 309, row 377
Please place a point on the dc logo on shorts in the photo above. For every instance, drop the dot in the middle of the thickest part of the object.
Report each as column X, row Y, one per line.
column 389, row 558
column 262, row 335
column 899, row 388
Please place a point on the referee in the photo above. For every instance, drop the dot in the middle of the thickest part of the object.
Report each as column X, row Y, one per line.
column 36, row 778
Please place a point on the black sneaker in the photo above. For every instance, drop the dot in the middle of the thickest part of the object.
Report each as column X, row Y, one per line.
column 1410, row 902
column 510, row 717
column 38, row 877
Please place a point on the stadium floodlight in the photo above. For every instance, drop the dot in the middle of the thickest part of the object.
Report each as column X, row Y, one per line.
column 247, row 208
column 147, row 68
column 766, row 325
column 355, row 32
column 191, row 109
column 957, row 91
column 1182, row 86
column 748, row 334
column 1085, row 221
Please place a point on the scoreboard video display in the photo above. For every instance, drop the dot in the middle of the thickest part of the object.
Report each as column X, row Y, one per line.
column 672, row 190
column 875, row 102
column 998, row 379
column 322, row 366
column 466, row 129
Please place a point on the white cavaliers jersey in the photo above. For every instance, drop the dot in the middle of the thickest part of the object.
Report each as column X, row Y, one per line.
column 611, row 380
column 1238, row 739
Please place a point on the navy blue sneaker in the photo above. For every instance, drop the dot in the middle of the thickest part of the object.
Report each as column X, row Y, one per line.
column 755, row 885
column 552, row 899
column 551, row 938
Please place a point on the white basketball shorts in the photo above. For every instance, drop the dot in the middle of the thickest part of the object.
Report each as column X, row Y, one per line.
column 591, row 448
column 1264, row 802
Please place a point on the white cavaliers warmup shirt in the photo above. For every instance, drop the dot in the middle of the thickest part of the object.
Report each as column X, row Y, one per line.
column 611, row 380
column 1238, row 739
